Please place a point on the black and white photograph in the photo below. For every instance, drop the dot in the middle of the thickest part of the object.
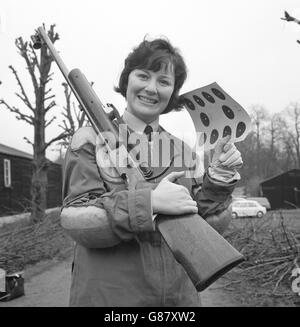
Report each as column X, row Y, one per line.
column 149, row 156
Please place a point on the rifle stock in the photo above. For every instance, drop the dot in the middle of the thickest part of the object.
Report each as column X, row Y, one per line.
column 203, row 253
column 199, row 248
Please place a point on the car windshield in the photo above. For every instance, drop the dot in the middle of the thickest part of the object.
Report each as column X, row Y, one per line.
column 245, row 204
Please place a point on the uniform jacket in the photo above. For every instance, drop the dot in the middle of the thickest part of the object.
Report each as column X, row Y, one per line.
column 120, row 259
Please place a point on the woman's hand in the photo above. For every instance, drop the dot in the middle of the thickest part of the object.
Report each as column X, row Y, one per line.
column 227, row 155
column 172, row 199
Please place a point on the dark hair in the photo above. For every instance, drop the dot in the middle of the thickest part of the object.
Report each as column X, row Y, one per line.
column 153, row 55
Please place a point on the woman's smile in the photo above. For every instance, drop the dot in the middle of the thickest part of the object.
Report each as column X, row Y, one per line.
column 147, row 100
column 148, row 92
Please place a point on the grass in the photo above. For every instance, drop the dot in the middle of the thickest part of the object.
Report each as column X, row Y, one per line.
column 23, row 243
column 271, row 246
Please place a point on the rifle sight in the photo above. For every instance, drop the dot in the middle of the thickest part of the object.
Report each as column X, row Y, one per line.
column 37, row 42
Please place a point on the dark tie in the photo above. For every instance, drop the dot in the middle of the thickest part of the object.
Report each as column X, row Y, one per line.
column 145, row 166
column 148, row 131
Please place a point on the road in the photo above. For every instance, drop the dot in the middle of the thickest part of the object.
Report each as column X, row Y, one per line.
column 47, row 285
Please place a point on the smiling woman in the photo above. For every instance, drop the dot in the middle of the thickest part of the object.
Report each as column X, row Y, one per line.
column 121, row 258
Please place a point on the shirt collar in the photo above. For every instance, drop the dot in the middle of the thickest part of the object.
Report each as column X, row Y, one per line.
column 137, row 124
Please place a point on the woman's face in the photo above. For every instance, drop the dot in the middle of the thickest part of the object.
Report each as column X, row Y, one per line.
column 148, row 92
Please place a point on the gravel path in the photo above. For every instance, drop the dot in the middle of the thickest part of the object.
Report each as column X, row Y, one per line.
column 47, row 285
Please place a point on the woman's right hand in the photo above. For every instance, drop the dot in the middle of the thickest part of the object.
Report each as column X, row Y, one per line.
column 173, row 199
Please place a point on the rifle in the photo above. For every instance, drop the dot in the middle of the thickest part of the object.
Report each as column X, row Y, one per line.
column 203, row 253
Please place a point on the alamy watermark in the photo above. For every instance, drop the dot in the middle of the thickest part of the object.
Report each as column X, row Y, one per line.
column 163, row 150
column 296, row 281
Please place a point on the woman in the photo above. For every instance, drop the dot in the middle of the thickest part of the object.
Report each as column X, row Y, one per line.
column 120, row 259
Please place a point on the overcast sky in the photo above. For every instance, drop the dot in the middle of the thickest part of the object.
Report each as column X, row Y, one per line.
column 241, row 44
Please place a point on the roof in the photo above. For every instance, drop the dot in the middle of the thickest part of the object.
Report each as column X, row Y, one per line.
column 275, row 176
column 14, row 152
column 18, row 153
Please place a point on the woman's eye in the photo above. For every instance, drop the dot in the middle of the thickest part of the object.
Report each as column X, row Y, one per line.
column 164, row 82
column 143, row 76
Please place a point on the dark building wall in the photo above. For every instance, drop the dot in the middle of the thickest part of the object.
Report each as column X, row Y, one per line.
column 283, row 191
column 54, row 189
column 17, row 198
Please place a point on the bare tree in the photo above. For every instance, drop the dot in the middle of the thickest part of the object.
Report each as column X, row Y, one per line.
column 273, row 133
column 293, row 116
column 285, row 155
column 39, row 71
column 290, row 159
column 290, row 18
column 272, row 145
column 74, row 116
column 259, row 117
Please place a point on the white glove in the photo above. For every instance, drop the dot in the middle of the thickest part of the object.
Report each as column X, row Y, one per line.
column 226, row 159
column 226, row 155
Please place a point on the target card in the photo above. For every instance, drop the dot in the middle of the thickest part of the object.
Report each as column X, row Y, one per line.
column 215, row 115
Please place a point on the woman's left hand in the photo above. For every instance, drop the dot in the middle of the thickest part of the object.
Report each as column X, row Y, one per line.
column 227, row 155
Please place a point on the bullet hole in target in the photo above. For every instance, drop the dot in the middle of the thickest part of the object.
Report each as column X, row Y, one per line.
column 228, row 112
column 240, row 129
column 227, row 131
column 218, row 93
column 199, row 100
column 189, row 103
column 204, row 118
column 208, row 97
column 214, row 136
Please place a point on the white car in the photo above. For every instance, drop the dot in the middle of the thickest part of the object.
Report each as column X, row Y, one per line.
column 247, row 208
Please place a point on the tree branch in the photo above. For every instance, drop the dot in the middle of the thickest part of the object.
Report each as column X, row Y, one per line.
column 46, row 92
column 30, row 66
column 68, row 113
column 29, row 119
column 49, row 78
column 34, row 58
column 49, row 97
column 27, row 140
column 50, row 121
column 82, row 119
column 50, row 105
column 289, row 18
column 25, row 99
column 58, row 138
column 65, row 127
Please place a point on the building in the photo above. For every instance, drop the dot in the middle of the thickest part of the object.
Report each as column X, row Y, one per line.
column 283, row 190
column 15, row 181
